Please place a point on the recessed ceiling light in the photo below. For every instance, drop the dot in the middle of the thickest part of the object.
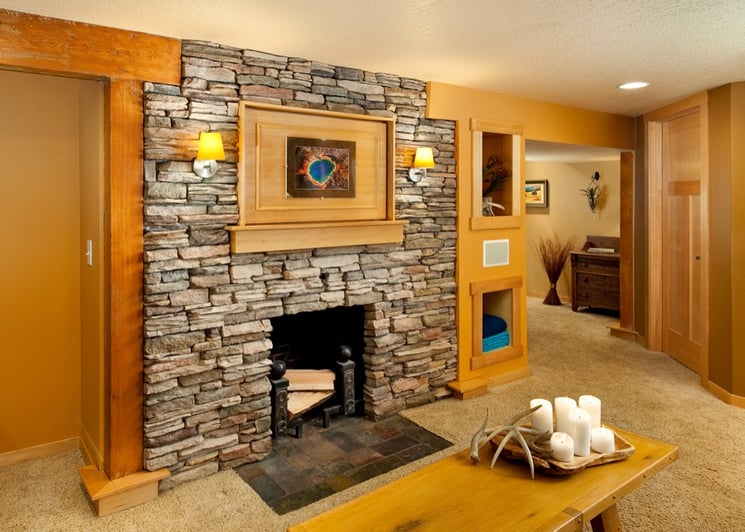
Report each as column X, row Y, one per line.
column 633, row 85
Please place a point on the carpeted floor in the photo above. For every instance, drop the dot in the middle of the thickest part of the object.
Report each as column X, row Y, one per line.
column 570, row 354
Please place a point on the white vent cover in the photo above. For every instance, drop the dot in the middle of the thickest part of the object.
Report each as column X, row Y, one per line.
column 496, row 252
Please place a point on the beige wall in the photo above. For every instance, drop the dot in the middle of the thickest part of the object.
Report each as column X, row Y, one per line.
column 569, row 215
column 40, row 282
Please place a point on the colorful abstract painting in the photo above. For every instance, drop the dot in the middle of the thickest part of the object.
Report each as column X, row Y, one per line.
column 320, row 168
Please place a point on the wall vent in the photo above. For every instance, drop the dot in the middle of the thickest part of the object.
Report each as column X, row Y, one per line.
column 496, row 252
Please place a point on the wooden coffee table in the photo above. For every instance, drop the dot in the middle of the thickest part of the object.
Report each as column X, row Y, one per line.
column 453, row 494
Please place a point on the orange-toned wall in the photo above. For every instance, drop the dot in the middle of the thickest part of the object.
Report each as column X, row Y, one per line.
column 727, row 237
column 39, row 281
column 92, row 277
column 540, row 121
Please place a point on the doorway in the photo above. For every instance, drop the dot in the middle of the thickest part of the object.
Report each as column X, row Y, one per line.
column 53, row 313
column 568, row 168
column 678, row 236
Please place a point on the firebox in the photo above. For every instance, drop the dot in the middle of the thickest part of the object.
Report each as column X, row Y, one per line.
column 317, row 365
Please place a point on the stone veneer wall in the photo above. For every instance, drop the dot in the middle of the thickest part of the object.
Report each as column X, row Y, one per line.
column 207, row 311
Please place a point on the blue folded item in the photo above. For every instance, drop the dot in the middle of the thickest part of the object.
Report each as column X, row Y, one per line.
column 497, row 341
column 492, row 325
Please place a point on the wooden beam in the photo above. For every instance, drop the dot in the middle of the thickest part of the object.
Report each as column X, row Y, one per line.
column 627, row 242
column 124, row 447
column 74, row 48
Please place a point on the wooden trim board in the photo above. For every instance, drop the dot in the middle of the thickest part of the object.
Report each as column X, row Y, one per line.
column 39, row 451
column 111, row 496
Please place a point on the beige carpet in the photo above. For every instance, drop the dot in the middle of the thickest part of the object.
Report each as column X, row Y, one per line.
column 570, row 353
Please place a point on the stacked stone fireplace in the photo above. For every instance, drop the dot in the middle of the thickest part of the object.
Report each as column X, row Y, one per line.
column 208, row 312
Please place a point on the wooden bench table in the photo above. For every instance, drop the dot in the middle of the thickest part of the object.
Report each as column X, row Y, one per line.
column 453, row 494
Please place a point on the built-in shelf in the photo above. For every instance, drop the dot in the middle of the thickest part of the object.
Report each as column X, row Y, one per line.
column 499, row 297
column 283, row 237
column 497, row 148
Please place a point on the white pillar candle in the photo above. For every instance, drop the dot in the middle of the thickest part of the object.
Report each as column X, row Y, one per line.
column 562, row 406
column 562, row 447
column 543, row 418
column 591, row 405
column 603, row 440
column 580, row 431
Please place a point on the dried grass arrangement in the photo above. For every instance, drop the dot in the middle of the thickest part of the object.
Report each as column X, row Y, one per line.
column 554, row 254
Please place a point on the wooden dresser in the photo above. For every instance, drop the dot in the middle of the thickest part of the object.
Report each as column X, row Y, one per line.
column 596, row 277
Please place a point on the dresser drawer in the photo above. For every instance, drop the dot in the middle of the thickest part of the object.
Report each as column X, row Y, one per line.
column 599, row 265
column 592, row 282
column 597, row 291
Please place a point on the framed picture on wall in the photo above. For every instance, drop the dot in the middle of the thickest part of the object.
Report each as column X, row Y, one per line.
column 536, row 193
column 319, row 167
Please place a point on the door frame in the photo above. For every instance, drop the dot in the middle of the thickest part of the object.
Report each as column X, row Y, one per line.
column 123, row 60
column 653, row 123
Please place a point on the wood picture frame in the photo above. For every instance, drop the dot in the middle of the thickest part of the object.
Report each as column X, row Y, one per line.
column 536, row 193
column 268, row 188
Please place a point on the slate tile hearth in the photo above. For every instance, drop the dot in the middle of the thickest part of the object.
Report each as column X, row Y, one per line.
column 324, row 461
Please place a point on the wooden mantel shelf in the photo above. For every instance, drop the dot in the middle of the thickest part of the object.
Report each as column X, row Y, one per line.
column 283, row 237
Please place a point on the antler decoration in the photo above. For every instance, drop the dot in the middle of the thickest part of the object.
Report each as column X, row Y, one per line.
column 511, row 429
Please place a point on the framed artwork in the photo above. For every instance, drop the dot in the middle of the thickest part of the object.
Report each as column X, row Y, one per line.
column 299, row 165
column 317, row 167
column 536, row 193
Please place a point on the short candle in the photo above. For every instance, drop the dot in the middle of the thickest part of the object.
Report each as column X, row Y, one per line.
column 562, row 447
column 542, row 419
column 603, row 440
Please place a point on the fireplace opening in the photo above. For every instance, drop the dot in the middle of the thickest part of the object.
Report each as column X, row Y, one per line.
column 323, row 351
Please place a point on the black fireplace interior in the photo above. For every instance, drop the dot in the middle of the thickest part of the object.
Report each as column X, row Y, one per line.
column 311, row 340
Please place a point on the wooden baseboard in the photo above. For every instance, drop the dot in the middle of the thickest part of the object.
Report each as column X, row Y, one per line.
column 724, row 395
column 622, row 332
column 39, row 451
column 509, row 376
column 111, row 496
column 470, row 388
column 91, row 453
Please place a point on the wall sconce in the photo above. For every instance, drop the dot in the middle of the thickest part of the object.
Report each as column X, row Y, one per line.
column 592, row 192
column 209, row 152
column 422, row 160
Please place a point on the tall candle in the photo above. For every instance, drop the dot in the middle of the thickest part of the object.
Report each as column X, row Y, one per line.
column 603, row 440
column 542, row 419
column 562, row 447
column 580, row 431
column 563, row 406
column 591, row 405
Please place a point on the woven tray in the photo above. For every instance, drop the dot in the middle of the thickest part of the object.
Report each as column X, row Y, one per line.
column 513, row 451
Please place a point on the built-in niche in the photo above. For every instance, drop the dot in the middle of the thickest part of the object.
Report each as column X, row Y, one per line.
column 496, row 321
column 497, row 174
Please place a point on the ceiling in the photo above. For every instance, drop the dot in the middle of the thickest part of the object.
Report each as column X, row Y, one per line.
column 572, row 52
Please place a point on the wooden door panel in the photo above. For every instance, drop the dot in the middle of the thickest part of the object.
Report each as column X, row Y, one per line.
column 683, row 313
